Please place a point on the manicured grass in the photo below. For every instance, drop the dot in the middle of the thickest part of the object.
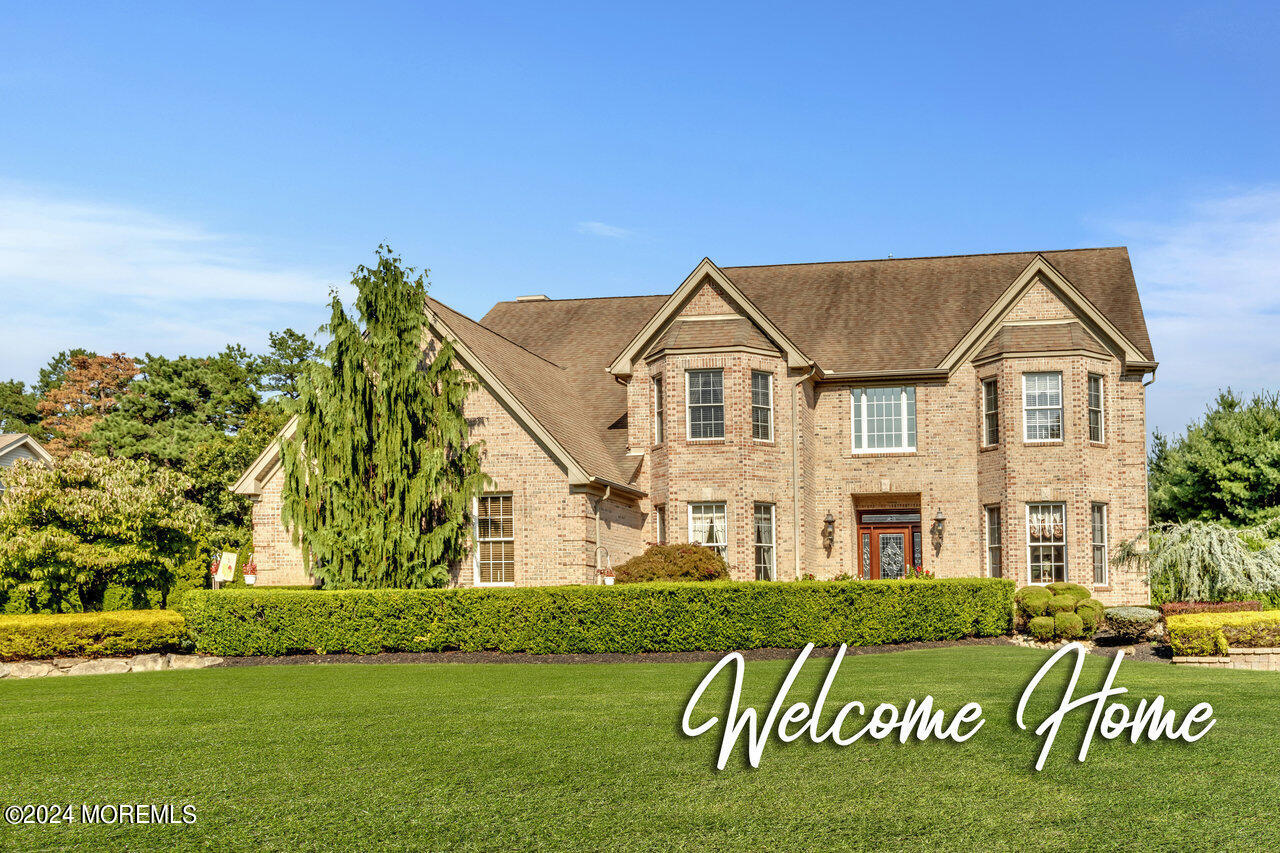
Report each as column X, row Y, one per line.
column 590, row 757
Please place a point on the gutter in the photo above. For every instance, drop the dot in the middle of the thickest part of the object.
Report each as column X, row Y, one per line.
column 795, row 466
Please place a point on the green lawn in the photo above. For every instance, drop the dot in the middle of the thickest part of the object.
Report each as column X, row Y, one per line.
column 590, row 757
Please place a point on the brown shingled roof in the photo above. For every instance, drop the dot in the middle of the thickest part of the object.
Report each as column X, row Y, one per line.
column 1042, row 337
column 883, row 315
column 908, row 313
column 693, row 333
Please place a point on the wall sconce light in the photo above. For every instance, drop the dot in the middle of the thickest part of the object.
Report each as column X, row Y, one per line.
column 939, row 527
column 829, row 532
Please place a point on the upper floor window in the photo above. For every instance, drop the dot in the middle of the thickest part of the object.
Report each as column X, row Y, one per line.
column 495, row 540
column 884, row 419
column 705, row 403
column 990, row 412
column 1047, row 542
column 762, row 406
column 709, row 526
column 1096, row 426
column 1042, row 406
column 659, row 408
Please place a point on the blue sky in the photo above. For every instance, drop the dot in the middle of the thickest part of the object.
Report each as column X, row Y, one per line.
column 177, row 176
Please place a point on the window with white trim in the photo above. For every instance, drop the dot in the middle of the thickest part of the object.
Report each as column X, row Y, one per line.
column 761, row 406
column 495, row 540
column 660, row 524
column 764, row 543
column 995, row 550
column 708, row 525
column 1046, row 543
column 704, row 406
column 990, row 412
column 1097, row 431
column 884, row 419
column 659, row 410
column 1042, row 406
column 1098, row 522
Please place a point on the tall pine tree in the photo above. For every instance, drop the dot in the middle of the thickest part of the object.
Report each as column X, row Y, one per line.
column 381, row 472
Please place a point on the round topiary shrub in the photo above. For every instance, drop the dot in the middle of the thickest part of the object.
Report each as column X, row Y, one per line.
column 673, row 563
column 1061, row 604
column 1090, row 613
column 1074, row 590
column 1031, row 601
column 1068, row 625
column 1042, row 628
column 1132, row 623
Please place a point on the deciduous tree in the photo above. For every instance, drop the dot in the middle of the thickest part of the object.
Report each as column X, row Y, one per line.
column 69, row 532
column 381, row 471
column 86, row 393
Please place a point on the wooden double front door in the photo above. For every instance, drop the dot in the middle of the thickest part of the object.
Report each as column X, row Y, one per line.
column 889, row 543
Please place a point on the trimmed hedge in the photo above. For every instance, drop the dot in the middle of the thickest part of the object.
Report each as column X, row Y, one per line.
column 1178, row 608
column 1133, row 623
column 90, row 635
column 717, row 616
column 1215, row 633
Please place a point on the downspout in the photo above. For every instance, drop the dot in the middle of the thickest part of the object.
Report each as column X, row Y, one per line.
column 795, row 466
column 607, row 491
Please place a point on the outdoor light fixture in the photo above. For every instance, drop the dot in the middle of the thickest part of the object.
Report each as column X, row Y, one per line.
column 829, row 532
column 939, row 527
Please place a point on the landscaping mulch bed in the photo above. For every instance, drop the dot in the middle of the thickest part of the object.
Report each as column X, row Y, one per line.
column 645, row 657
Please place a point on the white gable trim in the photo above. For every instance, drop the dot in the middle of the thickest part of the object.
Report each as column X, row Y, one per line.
column 1040, row 269
column 623, row 364
column 31, row 444
column 251, row 481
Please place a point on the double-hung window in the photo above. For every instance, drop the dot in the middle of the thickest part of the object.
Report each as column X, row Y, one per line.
column 1046, row 542
column 764, row 543
column 884, row 419
column 1098, row 523
column 659, row 409
column 1042, row 406
column 660, row 524
column 495, row 540
column 761, row 406
column 708, row 525
column 705, row 403
column 1097, row 427
column 990, row 412
column 995, row 551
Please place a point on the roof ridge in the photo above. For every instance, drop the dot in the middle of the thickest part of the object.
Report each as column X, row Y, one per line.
column 581, row 299
column 499, row 334
column 927, row 257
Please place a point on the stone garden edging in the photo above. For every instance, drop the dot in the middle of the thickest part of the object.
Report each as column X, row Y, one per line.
column 104, row 666
column 1258, row 659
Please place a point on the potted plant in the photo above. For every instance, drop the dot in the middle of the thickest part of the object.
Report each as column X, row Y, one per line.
column 607, row 574
column 250, row 573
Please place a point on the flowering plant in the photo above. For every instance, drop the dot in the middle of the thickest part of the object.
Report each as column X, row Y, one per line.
column 918, row 573
column 251, row 568
column 606, row 572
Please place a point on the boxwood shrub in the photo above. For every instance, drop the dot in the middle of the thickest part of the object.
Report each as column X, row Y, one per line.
column 90, row 635
column 1215, row 633
column 716, row 616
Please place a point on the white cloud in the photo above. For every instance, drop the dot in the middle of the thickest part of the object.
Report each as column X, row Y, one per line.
column 111, row 278
column 1210, row 285
column 601, row 229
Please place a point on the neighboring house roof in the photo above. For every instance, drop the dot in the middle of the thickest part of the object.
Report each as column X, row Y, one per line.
column 11, row 441
column 1068, row 336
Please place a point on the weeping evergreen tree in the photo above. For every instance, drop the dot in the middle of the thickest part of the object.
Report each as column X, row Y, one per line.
column 1205, row 561
column 380, row 473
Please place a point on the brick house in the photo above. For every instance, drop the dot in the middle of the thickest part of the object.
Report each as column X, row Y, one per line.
column 975, row 415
